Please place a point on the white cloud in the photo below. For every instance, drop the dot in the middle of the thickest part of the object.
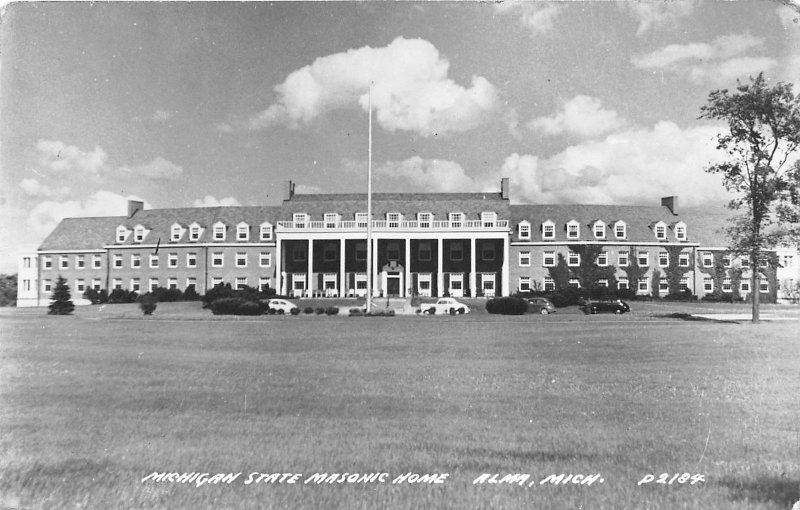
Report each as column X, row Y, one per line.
column 44, row 217
column 790, row 61
column 57, row 157
column 582, row 115
column 539, row 17
column 411, row 90
column 719, row 62
column 158, row 169
column 433, row 175
column 34, row 189
column 210, row 201
column 654, row 15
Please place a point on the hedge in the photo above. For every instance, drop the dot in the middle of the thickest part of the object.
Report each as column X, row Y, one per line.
column 237, row 306
column 507, row 306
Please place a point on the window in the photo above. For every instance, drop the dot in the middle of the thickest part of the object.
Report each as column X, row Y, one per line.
column 424, row 250
column 361, row 281
column 683, row 260
column 683, row 285
column 216, row 280
column 744, row 286
column 329, row 252
column 47, row 262
column 241, row 282
column 135, row 284
column 602, row 259
column 424, row 219
column 599, row 230
column 97, row 262
column 573, row 230
column 787, row 261
column 663, row 259
column 265, row 259
column 117, row 260
column 331, row 219
column 122, row 234
column 80, row 261
column 136, row 260
column 549, row 259
column 241, row 259
column 299, row 253
column 96, row 283
column 620, row 230
column 172, row 283
column 643, row 285
column 575, row 283
column 299, row 220
column 549, row 283
column 219, row 231
column 63, row 262
column 622, row 259
column 191, row 260
column 47, row 285
column 524, row 283
column 116, row 283
column 663, row 284
column 661, row 231
column 745, row 262
column 138, row 233
column 455, row 219
column 763, row 263
column 573, row 259
column 708, row 285
column 361, row 219
column 487, row 251
column 456, row 250
column 172, row 260
column 680, row 231
column 26, row 285
column 194, row 232
column 242, row 232
column 726, row 261
column 524, row 259
column 266, row 232
column 602, row 282
column 191, row 282
column 153, row 260
column 644, row 259
column 263, row 283
column 217, row 259
column 622, row 283
column 763, row 285
column 152, row 284
column 727, row 286
column 361, row 252
column 176, row 232
column 524, row 230
column 393, row 220
column 708, row 259
column 548, row 230
column 26, row 262
column 488, row 219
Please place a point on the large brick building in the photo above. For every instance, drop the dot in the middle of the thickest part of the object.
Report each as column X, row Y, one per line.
column 427, row 244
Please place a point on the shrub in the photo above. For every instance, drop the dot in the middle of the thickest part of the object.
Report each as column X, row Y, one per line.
column 566, row 297
column 96, row 296
column 217, row 292
column 332, row 310
column 148, row 304
column 684, row 295
column 506, row 306
column 122, row 296
column 319, row 310
column 294, row 311
column 308, row 310
column 356, row 312
column 190, row 294
column 237, row 306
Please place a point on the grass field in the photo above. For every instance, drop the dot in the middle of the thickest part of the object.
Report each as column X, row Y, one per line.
column 94, row 403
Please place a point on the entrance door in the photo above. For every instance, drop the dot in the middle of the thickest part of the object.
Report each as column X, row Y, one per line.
column 393, row 285
column 457, row 284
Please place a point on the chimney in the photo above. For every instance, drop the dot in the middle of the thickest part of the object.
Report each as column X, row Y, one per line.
column 289, row 190
column 670, row 203
column 505, row 190
column 134, row 206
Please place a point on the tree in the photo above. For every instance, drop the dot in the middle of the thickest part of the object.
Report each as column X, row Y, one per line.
column 763, row 133
column 62, row 302
column 8, row 290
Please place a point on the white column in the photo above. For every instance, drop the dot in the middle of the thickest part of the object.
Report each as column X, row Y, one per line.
column 506, row 262
column 341, row 269
column 278, row 269
column 407, row 282
column 439, row 265
column 310, row 266
column 375, row 292
column 473, row 292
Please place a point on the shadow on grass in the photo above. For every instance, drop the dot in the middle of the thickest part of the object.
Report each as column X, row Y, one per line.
column 486, row 460
column 781, row 491
column 689, row 317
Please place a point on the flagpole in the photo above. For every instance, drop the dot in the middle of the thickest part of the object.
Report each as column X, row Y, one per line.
column 369, row 209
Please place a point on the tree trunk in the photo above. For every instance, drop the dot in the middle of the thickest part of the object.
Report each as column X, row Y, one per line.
column 755, row 285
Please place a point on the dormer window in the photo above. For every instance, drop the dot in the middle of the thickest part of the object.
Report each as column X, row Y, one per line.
column 299, row 220
column 138, row 233
column 488, row 219
column 176, row 231
column 456, row 219
column 620, row 230
column 524, row 230
column 361, row 219
column 331, row 220
column 242, row 232
column 122, row 233
column 219, row 231
column 680, row 231
column 393, row 219
column 660, row 230
column 548, row 230
column 266, row 231
column 573, row 230
column 599, row 229
column 424, row 219
column 195, row 231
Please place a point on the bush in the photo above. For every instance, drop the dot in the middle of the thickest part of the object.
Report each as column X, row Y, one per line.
column 356, row 312
column 725, row 297
column 237, row 306
column 62, row 302
column 684, row 295
column 332, row 310
column 122, row 296
column 566, row 297
column 294, row 311
column 308, row 310
column 190, row 294
column 506, row 306
column 220, row 291
column 319, row 310
column 148, row 304
column 96, row 296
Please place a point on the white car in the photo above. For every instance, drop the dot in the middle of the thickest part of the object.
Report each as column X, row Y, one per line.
column 281, row 306
column 444, row 306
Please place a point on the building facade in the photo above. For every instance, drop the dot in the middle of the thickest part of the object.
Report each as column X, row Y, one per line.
column 424, row 244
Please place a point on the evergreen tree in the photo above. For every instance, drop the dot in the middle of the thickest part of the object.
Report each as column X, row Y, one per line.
column 62, row 302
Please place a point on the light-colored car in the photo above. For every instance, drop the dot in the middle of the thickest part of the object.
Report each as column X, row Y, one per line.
column 444, row 306
column 281, row 306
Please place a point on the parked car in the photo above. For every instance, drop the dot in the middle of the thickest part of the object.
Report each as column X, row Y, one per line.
column 281, row 306
column 540, row 305
column 444, row 306
column 614, row 306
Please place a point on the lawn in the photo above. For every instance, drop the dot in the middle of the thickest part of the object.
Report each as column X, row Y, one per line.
column 94, row 403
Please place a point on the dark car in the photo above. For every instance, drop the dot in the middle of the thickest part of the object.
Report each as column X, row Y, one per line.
column 540, row 305
column 614, row 306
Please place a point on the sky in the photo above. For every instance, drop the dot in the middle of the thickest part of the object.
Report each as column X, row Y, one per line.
column 192, row 104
